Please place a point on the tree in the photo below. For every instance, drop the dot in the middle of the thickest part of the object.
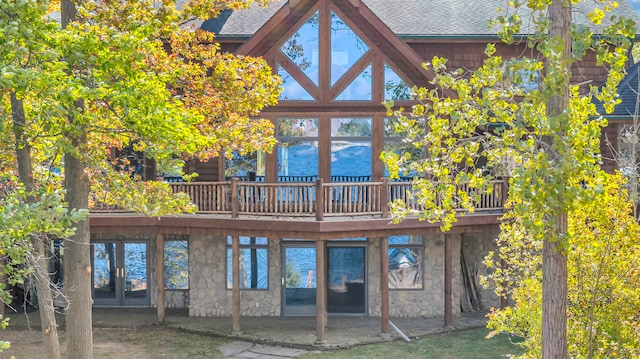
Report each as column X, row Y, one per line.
column 544, row 139
column 603, row 272
column 24, row 34
column 127, row 74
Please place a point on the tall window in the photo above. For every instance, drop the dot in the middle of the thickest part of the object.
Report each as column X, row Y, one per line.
column 297, row 148
column 393, row 142
column 254, row 264
column 350, row 149
column 176, row 264
column 406, row 255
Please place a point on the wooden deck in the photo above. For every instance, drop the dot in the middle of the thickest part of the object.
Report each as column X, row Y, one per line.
column 310, row 199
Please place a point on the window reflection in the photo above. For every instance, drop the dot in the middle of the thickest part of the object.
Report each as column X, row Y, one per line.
column 406, row 255
column 254, row 264
column 292, row 90
column 302, row 48
column 351, row 149
column 394, row 87
column 246, row 166
column 176, row 264
column 346, row 47
column 297, row 148
column 360, row 89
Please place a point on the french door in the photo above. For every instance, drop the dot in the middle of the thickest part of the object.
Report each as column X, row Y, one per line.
column 120, row 272
column 346, row 285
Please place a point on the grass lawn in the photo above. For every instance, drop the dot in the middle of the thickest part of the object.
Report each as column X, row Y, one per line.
column 468, row 344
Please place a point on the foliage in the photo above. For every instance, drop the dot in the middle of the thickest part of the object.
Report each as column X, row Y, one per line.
column 20, row 220
column 480, row 125
column 292, row 279
column 112, row 73
column 604, row 269
column 492, row 123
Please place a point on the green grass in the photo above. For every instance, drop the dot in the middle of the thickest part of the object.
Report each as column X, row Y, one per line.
column 468, row 344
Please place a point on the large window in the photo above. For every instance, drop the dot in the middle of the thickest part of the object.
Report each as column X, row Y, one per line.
column 254, row 264
column 394, row 142
column 176, row 264
column 297, row 149
column 250, row 166
column 406, row 255
column 351, row 149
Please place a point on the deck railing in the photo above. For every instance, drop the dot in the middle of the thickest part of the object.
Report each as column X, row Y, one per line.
column 301, row 199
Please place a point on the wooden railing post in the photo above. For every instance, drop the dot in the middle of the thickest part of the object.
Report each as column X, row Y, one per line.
column 319, row 200
column 234, row 198
column 384, row 197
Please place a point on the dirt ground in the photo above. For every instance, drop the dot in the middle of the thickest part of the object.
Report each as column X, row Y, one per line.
column 144, row 343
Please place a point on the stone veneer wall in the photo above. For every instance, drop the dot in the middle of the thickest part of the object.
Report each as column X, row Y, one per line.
column 208, row 277
column 427, row 302
column 207, row 294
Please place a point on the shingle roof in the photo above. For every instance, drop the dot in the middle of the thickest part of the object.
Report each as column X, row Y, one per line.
column 628, row 95
column 406, row 18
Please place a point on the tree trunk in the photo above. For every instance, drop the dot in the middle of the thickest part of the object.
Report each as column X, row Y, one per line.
column 554, row 297
column 77, row 264
column 40, row 261
column 77, row 261
column 554, row 259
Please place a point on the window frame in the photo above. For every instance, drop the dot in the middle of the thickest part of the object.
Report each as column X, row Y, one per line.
column 416, row 246
column 242, row 247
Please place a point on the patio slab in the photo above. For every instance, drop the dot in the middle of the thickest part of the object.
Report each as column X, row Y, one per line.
column 264, row 333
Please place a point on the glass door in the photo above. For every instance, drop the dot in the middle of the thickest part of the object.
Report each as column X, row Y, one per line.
column 299, row 279
column 106, row 274
column 134, row 274
column 120, row 273
column 346, row 280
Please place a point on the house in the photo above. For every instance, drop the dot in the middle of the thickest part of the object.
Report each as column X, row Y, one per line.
column 304, row 231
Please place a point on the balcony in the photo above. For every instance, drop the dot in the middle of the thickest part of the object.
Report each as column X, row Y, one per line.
column 315, row 199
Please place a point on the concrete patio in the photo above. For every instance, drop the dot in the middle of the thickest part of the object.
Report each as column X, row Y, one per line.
column 289, row 332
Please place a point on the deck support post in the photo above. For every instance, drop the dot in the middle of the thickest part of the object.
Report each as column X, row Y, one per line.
column 384, row 285
column 235, row 269
column 321, row 290
column 160, row 276
column 448, row 318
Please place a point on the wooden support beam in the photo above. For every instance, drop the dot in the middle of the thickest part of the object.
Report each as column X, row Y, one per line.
column 448, row 318
column 384, row 284
column 321, row 290
column 235, row 269
column 160, row 276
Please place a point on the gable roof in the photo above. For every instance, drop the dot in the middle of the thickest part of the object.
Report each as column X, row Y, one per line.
column 406, row 18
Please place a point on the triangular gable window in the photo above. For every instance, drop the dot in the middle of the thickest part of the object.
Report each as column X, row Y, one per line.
column 360, row 89
column 327, row 58
column 292, row 90
column 302, row 48
column 346, row 47
column 394, row 87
